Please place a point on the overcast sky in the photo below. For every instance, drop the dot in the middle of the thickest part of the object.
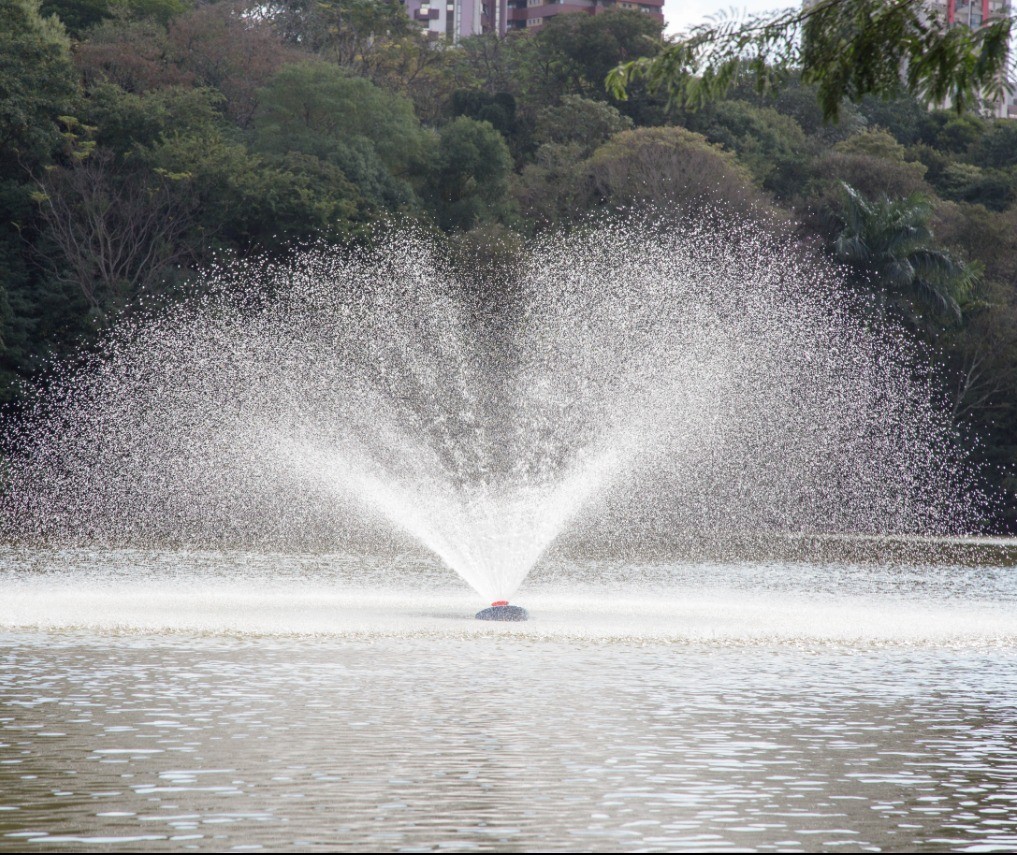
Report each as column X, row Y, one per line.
column 680, row 13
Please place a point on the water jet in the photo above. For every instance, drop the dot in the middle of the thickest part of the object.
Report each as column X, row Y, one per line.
column 625, row 388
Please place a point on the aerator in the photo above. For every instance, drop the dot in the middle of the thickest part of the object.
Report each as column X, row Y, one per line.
column 501, row 610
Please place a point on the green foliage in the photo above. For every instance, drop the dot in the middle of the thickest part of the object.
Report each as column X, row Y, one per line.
column 584, row 48
column 965, row 182
column 178, row 128
column 996, row 146
column 988, row 236
column 799, row 101
column 80, row 15
column 124, row 121
column 848, row 49
column 37, row 83
column 371, row 135
column 38, row 94
column 874, row 143
column 549, row 191
column 772, row 145
column 498, row 109
column 953, row 133
column 889, row 245
column 344, row 32
column 904, row 117
column 556, row 184
column 245, row 200
column 157, row 10
column 673, row 170
column 579, row 121
column 317, row 108
column 468, row 179
column 874, row 164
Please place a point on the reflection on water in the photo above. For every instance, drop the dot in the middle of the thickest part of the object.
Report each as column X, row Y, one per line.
column 510, row 738
column 503, row 743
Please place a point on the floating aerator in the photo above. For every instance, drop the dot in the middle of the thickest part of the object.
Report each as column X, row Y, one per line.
column 501, row 610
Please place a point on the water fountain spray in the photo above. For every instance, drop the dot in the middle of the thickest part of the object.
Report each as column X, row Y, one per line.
column 622, row 384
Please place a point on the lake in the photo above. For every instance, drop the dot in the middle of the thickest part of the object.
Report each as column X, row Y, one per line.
column 187, row 700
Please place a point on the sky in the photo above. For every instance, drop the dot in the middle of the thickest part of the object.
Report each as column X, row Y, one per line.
column 679, row 14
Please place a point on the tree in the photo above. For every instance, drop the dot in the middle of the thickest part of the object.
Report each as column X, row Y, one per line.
column 468, row 178
column 965, row 182
column 799, row 101
column 674, row 170
column 38, row 92
column 773, row 146
column 499, row 109
column 554, row 187
column 36, row 81
column 903, row 116
column 848, row 48
column 345, row 32
column 997, row 146
column 118, row 227
column 873, row 163
column 79, row 16
column 224, row 48
column 582, row 49
column 243, row 200
column 952, row 133
column 424, row 71
column 890, row 248
column 981, row 355
column 551, row 189
column 122, row 121
column 580, row 121
column 134, row 56
column 317, row 108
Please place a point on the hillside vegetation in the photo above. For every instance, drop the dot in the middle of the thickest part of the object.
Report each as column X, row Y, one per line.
column 141, row 138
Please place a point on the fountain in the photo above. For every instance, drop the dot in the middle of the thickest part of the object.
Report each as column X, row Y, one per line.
column 624, row 387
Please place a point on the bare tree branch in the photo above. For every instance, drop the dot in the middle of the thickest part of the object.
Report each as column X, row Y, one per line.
column 117, row 228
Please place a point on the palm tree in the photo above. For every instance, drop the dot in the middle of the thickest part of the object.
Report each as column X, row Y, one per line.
column 890, row 249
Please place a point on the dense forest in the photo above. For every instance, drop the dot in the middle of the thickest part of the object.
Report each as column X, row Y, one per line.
column 141, row 138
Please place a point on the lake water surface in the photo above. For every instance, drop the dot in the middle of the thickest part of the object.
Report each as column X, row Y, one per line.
column 168, row 701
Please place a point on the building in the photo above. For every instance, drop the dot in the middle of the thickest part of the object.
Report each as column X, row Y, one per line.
column 975, row 14
column 458, row 19
column 533, row 14
column 972, row 13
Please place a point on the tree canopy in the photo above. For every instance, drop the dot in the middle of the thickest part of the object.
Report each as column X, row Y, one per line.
column 847, row 49
column 141, row 140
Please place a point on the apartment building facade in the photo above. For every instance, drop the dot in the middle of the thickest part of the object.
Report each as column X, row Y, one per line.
column 533, row 14
column 973, row 13
column 458, row 19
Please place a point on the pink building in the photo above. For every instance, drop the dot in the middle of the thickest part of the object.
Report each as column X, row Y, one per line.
column 975, row 14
